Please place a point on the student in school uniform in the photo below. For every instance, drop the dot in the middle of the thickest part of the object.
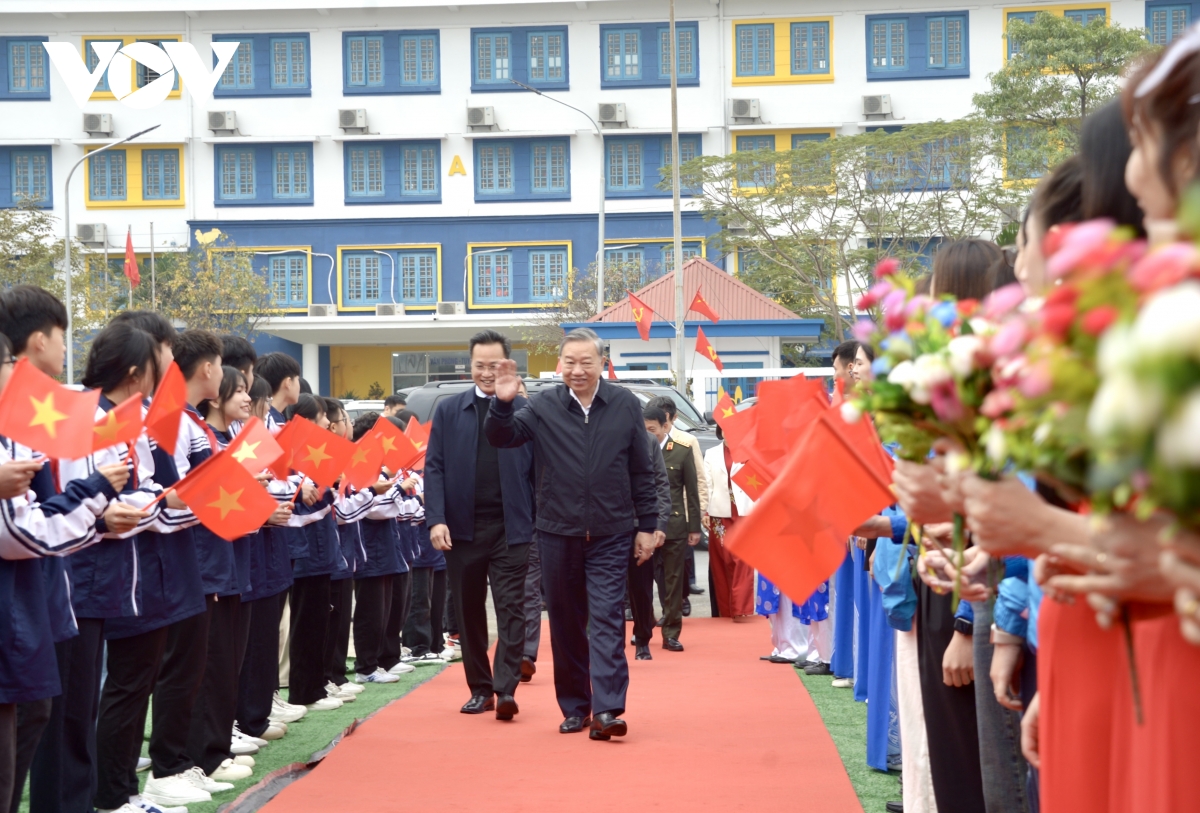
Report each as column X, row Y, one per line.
column 423, row 629
column 391, row 656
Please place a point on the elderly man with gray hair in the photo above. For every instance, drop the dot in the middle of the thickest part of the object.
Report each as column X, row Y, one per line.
column 597, row 504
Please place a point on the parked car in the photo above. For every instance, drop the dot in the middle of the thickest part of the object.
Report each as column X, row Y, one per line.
column 355, row 409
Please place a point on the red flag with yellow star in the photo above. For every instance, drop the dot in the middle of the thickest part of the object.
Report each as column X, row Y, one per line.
column 365, row 464
column 322, row 456
column 166, row 409
column 254, row 447
column 225, row 497
column 701, row 307
column 704, row 347
column 121, row 424
column 736, row 427
column 725, row 407
column 642, row 315
column 289, row 439
column 418, row 433
column 399, row 452
column 752, row 481
column 38, row 412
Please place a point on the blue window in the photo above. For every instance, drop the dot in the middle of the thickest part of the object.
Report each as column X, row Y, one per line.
column 239, row 73
column 537, row 55
column 493, row 58
column 27, row 68
column 755, row 49
column 107, row 174
column 494, row 169
column 418, row 277
column 622, row 54
column 288, row 280
column 547, row 275
column 390, row 62
column 549, row 166
column 918, row 46
column 145, row 75
column 946, row 41
column 639, row 55
column 493, row 277
column 756, row 173
column 1084, row 15
column 687, row 64
column 364, row 61
column 235, row 170
column 292, row 173
column 625, row 164
column 668, row 257
column 800, row 138
column 419, row 60
column 810, row 48
column 289, row 62
column 392, row 171
column 93, row 61
column 523, row 169
column 689, row 148
column 1167, row 23
column 546, row 56
column 887, row 42
column 160, row 174
column 30, row 174
column 634, row 167
column 1014, row 47
column 364, row 173
column 628, row 258
column 364, row 280
column 419, row 170
column 1022, row 159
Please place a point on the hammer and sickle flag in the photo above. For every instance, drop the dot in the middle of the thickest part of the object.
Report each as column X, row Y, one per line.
column 704, row 347
column 701, row 307
column 642, row 315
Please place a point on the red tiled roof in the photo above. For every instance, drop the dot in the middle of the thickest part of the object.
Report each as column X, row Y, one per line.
column 724, row 293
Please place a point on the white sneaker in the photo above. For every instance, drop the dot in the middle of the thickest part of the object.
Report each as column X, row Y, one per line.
column 125, row 808
column 141, row 804
column 428, row 659
column 173, row 790
column 332, row 690
column 283, row 712
column 353, row 688
column 452, row 653
column 405, row 651
column 325, row 704
column 257, row 741
column 240, row 746
column 843, row 683
column 144, row 764
column 200, row 780
column 274, row 731
column 244, row 760
column 401, row 668
column 227, row 771
column 378, row 676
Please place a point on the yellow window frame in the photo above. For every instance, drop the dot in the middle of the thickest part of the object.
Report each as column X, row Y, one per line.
column 134, row 193
column 471, row 247
column 437, row 249
column 127, row 39
column 783, row 53
column 786, row 135
column 1059, row 10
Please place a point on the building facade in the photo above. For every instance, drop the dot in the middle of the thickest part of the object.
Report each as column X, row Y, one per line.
column 378, row 154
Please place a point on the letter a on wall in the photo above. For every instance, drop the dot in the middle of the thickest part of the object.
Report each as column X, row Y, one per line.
column 456, row 167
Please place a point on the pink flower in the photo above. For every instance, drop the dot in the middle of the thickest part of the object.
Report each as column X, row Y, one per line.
column 945, row 401
column 864, row 330
column 1165, row 267
column 893, row 310
column 1079, row 244
column 887, row 267
column 996, row 403
column 873, row 296
column 1097, row 320
column 1003, row 300
column 1009, row 339
column 1036, row 381
column 917, row 304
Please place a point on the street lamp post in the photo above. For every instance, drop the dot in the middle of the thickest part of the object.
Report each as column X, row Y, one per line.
column 67, row 245
column 600, row 244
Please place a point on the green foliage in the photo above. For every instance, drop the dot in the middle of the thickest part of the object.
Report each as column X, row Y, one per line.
column 375, row 391
column 349, row 395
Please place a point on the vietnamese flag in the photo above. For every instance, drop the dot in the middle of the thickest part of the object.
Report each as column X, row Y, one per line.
column 289, row 439
column 736, row 428
column 322, row 456
column 796, row 536
column 131, row 266
column 752, row 481
column 701, row 307
column 418, row 433
column 254, row 447
column 166, row 409
column 642, row 315
column 612, row 372
column 704, row 347
column 366, row 462
column 37, row 411
column 399, row 452
column 121, row 424
column 788, row 406
column 226, row 498
column 725, row 407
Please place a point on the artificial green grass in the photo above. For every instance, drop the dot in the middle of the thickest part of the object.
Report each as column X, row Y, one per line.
column 846, row 722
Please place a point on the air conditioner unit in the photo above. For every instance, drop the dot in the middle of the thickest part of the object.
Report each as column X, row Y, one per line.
column 353, row 119
column 222, row 121
column 451, row 308
column 483, row 118
column 322, row 310
column 744, row 109
column 877, row 106
column 97, row 124
column 737, row 225
column 389, row 309
column 613, row 113
column 91, row 233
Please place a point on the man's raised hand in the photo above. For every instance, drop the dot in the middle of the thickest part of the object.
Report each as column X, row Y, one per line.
column 508, row 383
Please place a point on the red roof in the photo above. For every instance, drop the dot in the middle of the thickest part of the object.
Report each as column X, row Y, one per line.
column 724, row 293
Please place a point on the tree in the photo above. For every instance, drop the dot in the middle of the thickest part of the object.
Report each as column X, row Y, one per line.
column 576, row 302
column 1058, row 73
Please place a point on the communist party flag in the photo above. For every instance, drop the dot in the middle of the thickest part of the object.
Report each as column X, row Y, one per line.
column 225, row 497
column 166, row 409
column 366, row 462
column 38, row 412
column 701, row 307
column 399, row 452
column 642, row 315
column 254, row 447
column 796, row 536
column 704, row 347
column 121, row 424
column 131, row 267
column 322, row 456
column 752, row 481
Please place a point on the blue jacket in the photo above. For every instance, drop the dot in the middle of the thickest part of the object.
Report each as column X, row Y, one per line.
column 55, row 570
column 270, row 563
column 324, row 544
column 450, row 473
column 427, row 555
column 899, row 595
column 381, row 541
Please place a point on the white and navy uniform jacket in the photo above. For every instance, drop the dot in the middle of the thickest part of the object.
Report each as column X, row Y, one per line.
column 410, row 506
column 349, row 510
column 381, row 535
column 218, row 572
column 242, row 546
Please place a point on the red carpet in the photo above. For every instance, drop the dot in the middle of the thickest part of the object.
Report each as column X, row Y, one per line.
column 711, row 728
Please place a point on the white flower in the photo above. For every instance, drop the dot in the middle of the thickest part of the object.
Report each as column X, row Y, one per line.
column 1116, row 350
column 1042, row 433
column 1124, row 404
column 850, row 412
column 981, row 326
column 1179, row 437
column 996, row 445
column 1168, row 323
column 963, row 350
column 957, row 463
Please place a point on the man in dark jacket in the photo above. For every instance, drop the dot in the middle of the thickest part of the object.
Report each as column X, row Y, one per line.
column 596, row 499
column 479, row 508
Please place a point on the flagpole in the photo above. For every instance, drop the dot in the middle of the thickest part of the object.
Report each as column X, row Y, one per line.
column 153, row 293
column 128, row 239
column 676, row 218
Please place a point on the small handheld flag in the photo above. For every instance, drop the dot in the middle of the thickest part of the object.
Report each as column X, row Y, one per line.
column 38, row 412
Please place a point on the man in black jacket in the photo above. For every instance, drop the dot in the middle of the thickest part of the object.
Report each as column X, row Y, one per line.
column 596, row 499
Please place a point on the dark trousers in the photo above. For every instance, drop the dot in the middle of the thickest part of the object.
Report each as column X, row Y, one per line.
column 670, row 563
column 259, row 678
column 641, row 600
column 134, row 664
column 398, row 609
column 177, row 690
column 471, row 565
column 216, row 705
column 423, row 627
column 585, row 587
column 533, row 602
column 337, row 639
column 949, row 711
column 451, row 620
column 8, row 751
column 372, row 604
column 62, row 775
column 31, row 721
column 309, row 627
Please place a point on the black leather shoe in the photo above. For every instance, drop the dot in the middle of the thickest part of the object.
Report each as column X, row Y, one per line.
column 895, row 807
column 660, row 622
column 606, row 725
column 506, row 706
column 573, row 725
column 478, row 704
column 695, row 591
column 672, row 645
column 818, row 668
column 687, row 610
column 528, row 669
column 643, row 653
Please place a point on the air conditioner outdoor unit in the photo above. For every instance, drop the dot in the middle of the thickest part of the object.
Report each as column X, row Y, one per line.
column 389, row 309
column 97, row 124
column 613, row 113
column 481, row 117
column 322, row 310
column 91, row 233
column 222, row 121
column 744, row 109
column 877, row 106
column 353, row 119
column 451, row 308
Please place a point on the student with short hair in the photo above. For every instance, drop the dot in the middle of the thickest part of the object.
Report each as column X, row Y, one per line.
column 238, row 353
column 393, row 404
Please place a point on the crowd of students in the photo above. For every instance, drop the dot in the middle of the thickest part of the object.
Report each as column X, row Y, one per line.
column 114, row 597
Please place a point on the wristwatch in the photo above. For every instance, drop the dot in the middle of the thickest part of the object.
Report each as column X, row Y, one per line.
column 964, row 626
